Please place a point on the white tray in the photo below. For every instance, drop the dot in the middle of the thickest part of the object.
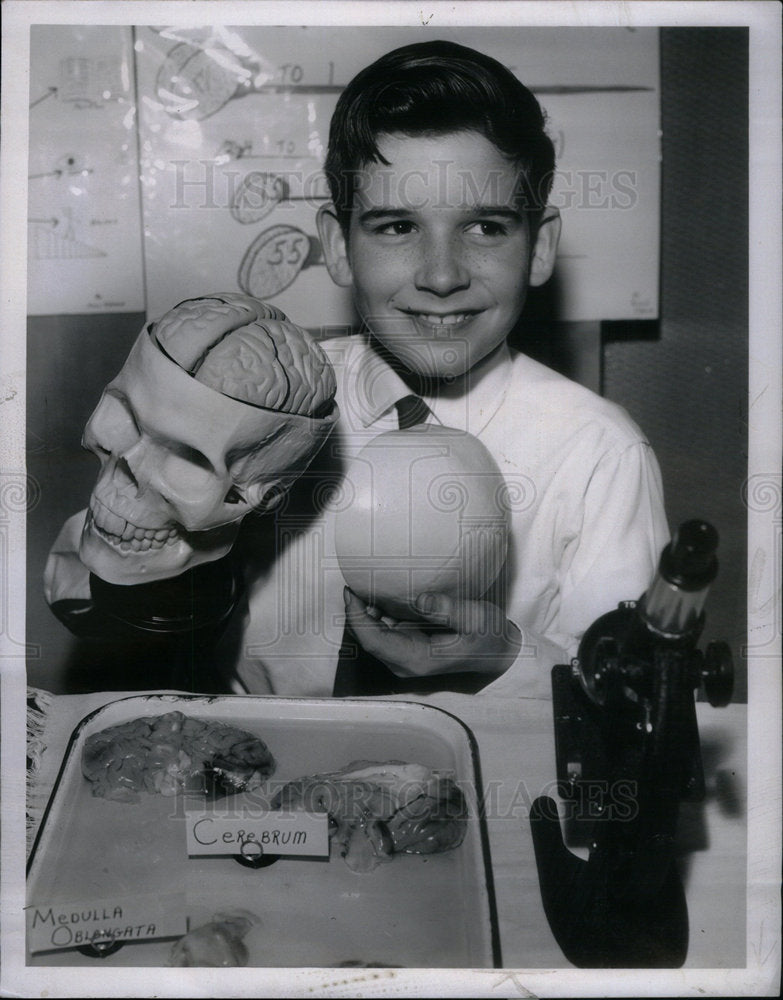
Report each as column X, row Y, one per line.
column 415, row 911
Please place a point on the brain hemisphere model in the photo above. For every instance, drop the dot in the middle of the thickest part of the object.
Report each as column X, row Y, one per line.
column 263, row 359
column 217, row 410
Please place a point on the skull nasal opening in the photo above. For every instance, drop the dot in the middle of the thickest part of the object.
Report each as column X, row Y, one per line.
column 123, row 467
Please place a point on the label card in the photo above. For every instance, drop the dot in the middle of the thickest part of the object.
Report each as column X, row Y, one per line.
column 130, row 918
column 253, row 836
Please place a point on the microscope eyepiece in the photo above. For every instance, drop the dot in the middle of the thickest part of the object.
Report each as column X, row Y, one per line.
column 674, row 603
column 689, row 561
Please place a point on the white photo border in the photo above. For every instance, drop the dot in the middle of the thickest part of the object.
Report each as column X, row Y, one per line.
column 761, row 975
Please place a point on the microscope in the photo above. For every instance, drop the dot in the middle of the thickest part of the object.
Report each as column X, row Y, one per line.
column 627, row 754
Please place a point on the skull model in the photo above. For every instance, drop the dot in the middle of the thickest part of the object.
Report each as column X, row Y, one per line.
column 219, row 407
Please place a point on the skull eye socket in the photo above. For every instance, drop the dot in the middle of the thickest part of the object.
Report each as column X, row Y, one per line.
column 111, row 428
column 180, row 475
column 233, row 496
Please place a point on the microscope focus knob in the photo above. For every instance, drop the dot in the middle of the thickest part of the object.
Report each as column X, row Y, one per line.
column 717, row 673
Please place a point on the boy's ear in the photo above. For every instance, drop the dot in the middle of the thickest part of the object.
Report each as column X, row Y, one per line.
column 333, row 243
column 542, row 259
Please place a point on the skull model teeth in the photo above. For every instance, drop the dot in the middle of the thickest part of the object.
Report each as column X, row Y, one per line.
column 131, row 538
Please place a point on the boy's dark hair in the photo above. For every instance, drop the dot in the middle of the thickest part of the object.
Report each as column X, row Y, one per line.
column 432, row 88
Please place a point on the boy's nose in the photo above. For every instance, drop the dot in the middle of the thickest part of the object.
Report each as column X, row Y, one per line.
column 441, row 269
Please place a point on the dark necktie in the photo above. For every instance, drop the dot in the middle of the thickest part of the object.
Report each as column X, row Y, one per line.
column 361, row 673
column 411, row 410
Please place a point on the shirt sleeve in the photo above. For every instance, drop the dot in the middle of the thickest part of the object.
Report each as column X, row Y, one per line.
column 619, row 530
column 623, row 531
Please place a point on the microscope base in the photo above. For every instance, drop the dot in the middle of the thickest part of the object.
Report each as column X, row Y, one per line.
column 593, row 927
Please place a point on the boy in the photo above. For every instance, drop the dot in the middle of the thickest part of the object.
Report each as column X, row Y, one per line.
column 440, row 169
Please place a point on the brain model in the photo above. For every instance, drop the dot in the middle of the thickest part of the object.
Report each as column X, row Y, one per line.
column 423, row 509
column 250, row 351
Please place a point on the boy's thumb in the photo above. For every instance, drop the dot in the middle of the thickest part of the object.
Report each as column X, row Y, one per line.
column 434, row 607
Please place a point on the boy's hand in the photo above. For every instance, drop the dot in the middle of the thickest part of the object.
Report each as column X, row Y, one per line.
column 468, row 636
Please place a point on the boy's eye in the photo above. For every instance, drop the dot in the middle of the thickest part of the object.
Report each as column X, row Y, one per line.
column 488, row 227
column 396, row 227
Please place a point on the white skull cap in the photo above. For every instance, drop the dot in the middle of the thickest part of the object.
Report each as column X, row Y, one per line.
column 153, row 372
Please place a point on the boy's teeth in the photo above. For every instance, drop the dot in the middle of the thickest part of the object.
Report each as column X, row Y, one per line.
column 437, row 320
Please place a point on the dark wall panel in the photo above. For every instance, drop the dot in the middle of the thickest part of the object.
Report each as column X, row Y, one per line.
column 688, row 389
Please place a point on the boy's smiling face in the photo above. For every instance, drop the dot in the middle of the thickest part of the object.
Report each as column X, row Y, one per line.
column 439, row 251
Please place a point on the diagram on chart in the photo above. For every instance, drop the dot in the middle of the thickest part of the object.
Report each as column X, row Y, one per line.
column 55, row 239
column 83, row 82
column 84, row 247
column 67, row 165
column 260, row 192
column 257, row 196
column 89, row 82
column 278, row 254
column 195, row 81
column 274, row 259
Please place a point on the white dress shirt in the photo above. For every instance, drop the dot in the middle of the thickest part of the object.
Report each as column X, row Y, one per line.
column 587, row 520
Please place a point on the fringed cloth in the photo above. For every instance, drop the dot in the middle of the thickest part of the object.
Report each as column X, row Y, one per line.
column 38, row 706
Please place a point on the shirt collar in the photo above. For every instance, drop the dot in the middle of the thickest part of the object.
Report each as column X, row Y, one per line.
column 377, row 386
column 468, row 405
column 473, row 401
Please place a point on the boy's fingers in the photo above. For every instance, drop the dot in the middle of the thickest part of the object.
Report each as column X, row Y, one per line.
column 462, row 617
column 367, row 621
column 472, row 632
column 402, row 650
column 436, row 608
column 400, row 645
column 357, row 611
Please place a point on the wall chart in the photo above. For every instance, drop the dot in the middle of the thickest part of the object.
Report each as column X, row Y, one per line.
column 169, row 162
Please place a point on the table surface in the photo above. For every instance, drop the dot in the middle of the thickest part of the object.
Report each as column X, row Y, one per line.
column 516, row 749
